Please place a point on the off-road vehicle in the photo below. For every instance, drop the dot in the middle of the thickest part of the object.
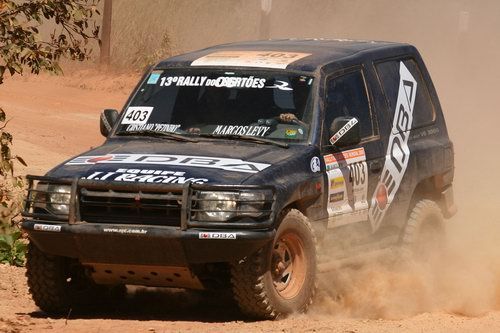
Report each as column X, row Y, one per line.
column 231, row 168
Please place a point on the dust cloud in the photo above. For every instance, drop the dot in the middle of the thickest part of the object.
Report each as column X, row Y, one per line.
column 458, row 40
column 464, row 281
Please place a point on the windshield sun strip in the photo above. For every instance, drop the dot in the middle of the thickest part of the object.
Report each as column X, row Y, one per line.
column 289, row 134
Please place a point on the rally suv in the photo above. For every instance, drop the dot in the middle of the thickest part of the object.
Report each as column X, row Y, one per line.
column 251, row 167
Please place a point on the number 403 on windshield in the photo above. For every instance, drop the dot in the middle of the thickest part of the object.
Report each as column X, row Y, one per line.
column 137, row 115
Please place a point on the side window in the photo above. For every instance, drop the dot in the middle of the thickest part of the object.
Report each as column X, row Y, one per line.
column 346, row 96
column 388, row 72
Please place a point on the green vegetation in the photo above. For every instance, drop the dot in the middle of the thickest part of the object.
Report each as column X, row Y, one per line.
column 23, row 47
column 12, row 248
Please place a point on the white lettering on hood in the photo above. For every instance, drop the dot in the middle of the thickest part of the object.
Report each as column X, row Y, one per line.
column 228, row 164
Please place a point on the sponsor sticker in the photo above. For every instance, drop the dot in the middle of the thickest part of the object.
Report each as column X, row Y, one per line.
column 125, row 231
column 281, row 85
column 337, row 182
column 217, row 235
column 315, row 164
column 241, row 130
column 137, row 115
column 161, row 128
column 219, row 82
column 348, row 178
column 398, row 152
column 341, row 132
column 154, row 77
column 330, row 161
column 381, row 196
column 263, row 59
column 228, row 164
column 290, row 133
column 145, row 176
column 336, row 197
column 47, row 227
column 344, row 158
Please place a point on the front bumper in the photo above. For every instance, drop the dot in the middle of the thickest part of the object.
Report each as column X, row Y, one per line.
column 122, row 240
column 144, row 245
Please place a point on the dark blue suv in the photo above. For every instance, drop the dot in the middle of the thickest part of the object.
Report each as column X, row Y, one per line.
column 251, row 167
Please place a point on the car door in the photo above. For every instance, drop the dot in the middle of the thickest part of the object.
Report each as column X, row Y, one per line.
column 352, row 172
column 411, row 144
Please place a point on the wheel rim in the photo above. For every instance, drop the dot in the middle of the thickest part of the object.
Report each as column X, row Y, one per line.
column 288, row 266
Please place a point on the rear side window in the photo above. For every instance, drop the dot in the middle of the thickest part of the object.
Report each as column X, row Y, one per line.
column 346, row 96
column 388, row 72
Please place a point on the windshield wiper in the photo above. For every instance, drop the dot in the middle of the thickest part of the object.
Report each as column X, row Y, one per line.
column 245, row 138
column 167, row 135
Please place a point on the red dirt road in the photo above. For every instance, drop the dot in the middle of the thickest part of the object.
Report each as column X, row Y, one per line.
column 54, row 118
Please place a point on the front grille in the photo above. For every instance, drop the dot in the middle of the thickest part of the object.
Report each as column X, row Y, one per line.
column 173, row 205
column 124, row 207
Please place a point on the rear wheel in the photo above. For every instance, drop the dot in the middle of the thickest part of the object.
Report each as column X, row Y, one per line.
column 281, row 278
column 58, row 284
column 424, row 236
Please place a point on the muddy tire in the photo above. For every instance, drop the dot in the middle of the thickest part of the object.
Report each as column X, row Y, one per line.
column 279, row 279
column 424, row 235
column 58, row 284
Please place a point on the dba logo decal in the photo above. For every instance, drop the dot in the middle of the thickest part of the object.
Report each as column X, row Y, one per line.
column 315, row 164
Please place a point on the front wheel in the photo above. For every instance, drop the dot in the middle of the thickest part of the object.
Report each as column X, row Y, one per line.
column 58, row 284
column 279, row 279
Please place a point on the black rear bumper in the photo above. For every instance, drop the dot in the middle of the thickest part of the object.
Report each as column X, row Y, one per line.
column 144, row 245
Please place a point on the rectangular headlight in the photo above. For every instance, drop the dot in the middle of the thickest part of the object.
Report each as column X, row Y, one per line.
column 52, row 198
column 252, row 203
column 223, row 206
column 58, row 199
column 217, row 206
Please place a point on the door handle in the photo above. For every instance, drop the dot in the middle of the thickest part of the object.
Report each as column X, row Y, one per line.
column 376, row 166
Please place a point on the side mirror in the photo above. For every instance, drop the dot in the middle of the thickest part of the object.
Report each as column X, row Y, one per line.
column 345, row 131
column 108, row 121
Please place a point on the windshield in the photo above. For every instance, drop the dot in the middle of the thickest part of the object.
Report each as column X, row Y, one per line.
column 221, row 104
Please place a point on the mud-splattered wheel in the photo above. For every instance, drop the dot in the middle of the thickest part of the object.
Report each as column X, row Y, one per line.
column 424, row 235
column 58, row 284
column 281, row 278
column 289, row 265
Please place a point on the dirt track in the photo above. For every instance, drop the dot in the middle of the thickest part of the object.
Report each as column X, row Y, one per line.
column 55, row 118
column 154, row 311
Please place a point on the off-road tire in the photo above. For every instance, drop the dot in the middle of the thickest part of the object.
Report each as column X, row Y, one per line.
column 262, row 294
column 424, row 235
column 58, row 284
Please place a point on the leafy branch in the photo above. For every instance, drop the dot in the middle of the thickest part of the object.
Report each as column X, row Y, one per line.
column 21, row 44
column 23, row 47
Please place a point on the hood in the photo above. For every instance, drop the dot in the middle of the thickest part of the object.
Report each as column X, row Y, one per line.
column 155, row 160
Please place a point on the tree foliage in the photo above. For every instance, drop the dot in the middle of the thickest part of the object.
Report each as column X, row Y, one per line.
column 21, row 44
column 24, row 45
